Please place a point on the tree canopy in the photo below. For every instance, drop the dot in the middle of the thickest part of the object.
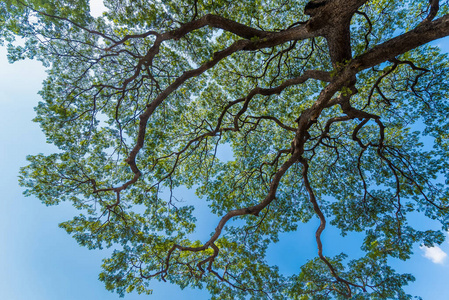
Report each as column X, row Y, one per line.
column 323, row 103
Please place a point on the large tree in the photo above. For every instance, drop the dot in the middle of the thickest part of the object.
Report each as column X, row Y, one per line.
column 324, row 105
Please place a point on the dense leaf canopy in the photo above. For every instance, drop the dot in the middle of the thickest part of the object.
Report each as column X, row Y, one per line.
column 324, row 105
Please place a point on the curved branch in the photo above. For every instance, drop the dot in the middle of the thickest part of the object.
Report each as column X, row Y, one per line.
column 321, row 228
column 434, row 7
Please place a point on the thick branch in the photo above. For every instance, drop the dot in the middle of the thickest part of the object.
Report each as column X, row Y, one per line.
column 403, row 43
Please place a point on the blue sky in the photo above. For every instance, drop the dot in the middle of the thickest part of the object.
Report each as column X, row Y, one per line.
column 38, row 260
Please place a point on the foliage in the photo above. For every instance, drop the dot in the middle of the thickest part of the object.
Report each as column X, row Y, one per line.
column 324, row 110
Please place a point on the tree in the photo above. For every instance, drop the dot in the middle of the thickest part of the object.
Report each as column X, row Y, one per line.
column 324, row 105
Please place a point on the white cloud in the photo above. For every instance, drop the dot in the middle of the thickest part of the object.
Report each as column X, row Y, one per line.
column 435, row 254
column 96, row 8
